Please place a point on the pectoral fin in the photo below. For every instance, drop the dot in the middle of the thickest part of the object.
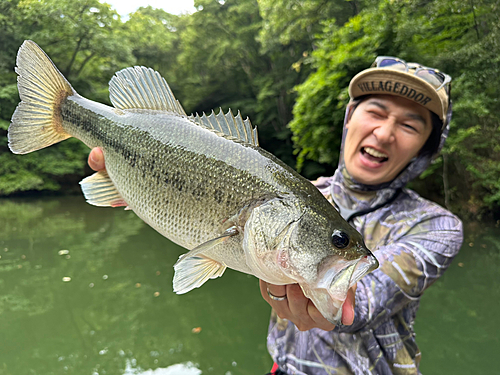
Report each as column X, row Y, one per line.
column 193, row 272
column 193, row 269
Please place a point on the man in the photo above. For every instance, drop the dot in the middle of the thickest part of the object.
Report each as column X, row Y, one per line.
column 396, row 123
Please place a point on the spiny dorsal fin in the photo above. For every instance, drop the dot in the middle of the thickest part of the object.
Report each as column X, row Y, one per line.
column 229, row 125
column 142, row 88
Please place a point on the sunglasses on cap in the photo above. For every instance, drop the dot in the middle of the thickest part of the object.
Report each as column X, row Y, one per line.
column 433, row 76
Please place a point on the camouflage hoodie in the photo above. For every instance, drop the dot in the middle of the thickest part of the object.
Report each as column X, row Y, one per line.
column 415, row 241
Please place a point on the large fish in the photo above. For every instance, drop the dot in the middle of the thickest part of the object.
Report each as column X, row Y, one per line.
column 203, row 182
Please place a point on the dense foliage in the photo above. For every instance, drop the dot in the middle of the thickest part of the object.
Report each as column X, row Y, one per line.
column 284, row 63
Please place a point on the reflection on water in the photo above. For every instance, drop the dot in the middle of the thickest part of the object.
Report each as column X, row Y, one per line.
column 178, row 369
column 117, row 314
column 87, row 290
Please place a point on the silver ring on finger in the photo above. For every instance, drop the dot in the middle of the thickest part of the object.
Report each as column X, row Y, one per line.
column 275, row 298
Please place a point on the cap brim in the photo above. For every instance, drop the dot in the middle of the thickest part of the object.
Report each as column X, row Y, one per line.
column 380, row 81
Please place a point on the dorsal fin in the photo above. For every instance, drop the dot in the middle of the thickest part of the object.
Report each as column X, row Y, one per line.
column 229, row 125
column 142, row 88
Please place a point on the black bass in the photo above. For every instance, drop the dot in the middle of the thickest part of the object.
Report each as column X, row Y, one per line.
column 201, row 181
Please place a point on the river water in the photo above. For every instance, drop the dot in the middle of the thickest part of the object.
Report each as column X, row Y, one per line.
column 88, row 290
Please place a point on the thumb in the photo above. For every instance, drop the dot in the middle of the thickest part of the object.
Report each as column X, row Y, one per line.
column 348, row 307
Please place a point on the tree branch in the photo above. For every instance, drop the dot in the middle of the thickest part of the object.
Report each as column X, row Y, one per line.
column 87, row 59
column 475, row 20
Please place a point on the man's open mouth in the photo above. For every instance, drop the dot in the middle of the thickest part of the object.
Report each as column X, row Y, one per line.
column 374, row 155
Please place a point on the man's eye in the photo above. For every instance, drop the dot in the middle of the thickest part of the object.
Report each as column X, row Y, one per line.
column 409, row 127
column 376, row 114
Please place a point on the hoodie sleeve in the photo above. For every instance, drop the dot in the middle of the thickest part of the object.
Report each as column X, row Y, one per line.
column 412, row 257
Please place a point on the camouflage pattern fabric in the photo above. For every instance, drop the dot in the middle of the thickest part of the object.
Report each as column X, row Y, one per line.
column 415, row 241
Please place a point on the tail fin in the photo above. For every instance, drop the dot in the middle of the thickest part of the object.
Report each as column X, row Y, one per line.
column 37, row 122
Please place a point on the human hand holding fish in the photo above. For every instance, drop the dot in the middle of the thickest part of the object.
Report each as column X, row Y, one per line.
column 96, row 160
column 300, row 310
column 201, row 181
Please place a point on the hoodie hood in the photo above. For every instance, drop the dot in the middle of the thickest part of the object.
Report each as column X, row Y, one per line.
column 352, row 196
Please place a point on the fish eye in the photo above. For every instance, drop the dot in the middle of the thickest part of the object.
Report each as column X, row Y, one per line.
column 340, row 239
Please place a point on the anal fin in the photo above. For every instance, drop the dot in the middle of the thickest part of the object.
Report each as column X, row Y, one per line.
column 99, row 190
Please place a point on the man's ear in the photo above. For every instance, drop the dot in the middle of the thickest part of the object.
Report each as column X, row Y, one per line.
column 348, row 113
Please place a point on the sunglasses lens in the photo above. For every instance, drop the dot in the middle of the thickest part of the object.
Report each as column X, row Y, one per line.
column 392, row 64
column 436, row 79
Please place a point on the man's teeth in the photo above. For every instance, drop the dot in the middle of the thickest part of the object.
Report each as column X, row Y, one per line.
column 375, row 153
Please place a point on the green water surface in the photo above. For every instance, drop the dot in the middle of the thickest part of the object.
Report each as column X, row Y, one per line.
column 88, row 290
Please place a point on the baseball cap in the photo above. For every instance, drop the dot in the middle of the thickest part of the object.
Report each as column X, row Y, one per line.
column 392, row 76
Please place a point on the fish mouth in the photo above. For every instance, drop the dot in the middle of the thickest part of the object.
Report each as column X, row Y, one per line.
column 330, row 292
column 365, row 265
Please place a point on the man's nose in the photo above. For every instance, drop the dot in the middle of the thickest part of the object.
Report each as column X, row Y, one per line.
column 385, row 131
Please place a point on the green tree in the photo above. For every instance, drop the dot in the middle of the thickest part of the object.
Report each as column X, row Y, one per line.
column 460, row 38
column 322, row 98
column 153, row 36
column 80, row 37
column 286, row 64
column 221, row 65
column 464, row 38
column 289, row 22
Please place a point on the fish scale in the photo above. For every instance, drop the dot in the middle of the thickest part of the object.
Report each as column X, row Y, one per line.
column 153, row 151
column 201, row 181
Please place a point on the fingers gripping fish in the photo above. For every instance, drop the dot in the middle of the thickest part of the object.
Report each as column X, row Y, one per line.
column 201, row 181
